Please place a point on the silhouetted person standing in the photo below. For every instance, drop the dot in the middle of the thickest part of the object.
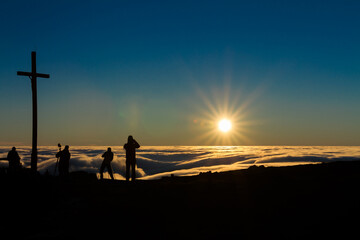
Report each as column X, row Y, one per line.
column 14, row 160
column 108, row 157
column 64, row 161
column 130, row 148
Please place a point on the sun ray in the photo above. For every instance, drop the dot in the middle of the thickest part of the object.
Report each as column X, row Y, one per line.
column 223, row 107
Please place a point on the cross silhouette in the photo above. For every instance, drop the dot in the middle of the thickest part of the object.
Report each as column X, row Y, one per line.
column 33, row 75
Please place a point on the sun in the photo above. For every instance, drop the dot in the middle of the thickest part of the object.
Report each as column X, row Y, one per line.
column 223, row 117
column 224, row 125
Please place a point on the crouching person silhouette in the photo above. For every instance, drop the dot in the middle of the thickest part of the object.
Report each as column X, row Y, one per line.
column 130, row 148
column 64, row 162
column 108, row 157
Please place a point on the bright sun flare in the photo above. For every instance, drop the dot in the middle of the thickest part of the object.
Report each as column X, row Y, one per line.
column 224, row 125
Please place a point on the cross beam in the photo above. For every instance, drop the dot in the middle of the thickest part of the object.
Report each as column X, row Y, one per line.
column 29, row 74
column 33, row 75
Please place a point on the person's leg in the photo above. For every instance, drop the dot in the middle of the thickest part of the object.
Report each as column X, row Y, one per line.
column 102, row 170
column 127, row 171
column 133, row 172
column 61, row 169
column 67, row 168
column 110, row 171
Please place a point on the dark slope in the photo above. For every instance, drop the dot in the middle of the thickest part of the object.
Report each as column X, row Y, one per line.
column 304, row 201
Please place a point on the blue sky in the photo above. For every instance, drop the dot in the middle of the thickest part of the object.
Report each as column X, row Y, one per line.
column 155, row 69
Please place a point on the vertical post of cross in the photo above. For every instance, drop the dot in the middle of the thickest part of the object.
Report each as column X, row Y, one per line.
column 34, row 155
column 33, row 77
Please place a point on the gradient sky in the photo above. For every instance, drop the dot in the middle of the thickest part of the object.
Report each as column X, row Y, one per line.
column 286, row 72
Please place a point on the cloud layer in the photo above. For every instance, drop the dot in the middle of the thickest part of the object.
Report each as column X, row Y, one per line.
column 156, row 162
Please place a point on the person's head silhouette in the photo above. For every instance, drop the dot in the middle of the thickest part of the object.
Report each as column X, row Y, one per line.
column 109, row 149
column 130, row 139
column 67, row 148
column 13, row 148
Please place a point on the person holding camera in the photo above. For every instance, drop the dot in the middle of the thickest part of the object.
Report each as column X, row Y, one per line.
column 108, row 157
column 64, row 162
column 130, row 148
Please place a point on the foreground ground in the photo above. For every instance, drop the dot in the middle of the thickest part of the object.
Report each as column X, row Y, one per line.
column 308, row 201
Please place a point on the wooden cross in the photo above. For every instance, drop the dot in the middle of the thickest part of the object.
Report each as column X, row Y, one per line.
column 33, row 75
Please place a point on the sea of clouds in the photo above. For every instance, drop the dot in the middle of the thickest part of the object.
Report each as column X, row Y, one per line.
column 157, row 161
